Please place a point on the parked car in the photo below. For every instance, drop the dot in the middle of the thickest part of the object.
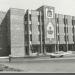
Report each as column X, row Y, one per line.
column 56, row 55
column 60, row 54
column 68, row 53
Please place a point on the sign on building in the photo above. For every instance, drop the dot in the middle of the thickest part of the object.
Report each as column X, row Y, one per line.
column 50, row 31
column 49, row 13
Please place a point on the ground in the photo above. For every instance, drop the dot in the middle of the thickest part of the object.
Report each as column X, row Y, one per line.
column 42, row 66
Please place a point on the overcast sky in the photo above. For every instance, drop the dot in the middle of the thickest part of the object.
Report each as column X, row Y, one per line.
column 61, row 6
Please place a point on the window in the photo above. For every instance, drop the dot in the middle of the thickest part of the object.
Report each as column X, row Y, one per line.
column 26, row 37
column 65, row 21
column 30, row 17
column 26, row 50
column 42, row 18
column 57, row 21
column 26, row 17
column 26, row 27
column 67, row 29
column 73, row 22
column 39, row 37
column 58, row 29
column 64, row 29
column 30, row 27
column 73, row 38
column 58, row 38
column 30, row 37
column 38, row 18
column 65, row 37
column 73, row 29
column 38, row 27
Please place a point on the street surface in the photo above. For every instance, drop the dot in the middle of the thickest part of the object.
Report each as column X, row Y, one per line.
column 55, row 65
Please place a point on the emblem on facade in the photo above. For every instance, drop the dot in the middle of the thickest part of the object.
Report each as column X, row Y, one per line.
column 50, row 31
column 49, row 13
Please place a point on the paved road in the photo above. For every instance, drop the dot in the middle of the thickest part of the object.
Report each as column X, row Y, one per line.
column 62, row 65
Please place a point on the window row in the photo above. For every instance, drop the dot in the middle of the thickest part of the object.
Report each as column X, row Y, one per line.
column 65, row 21
column 66, row 38
column 38, row 17
column 39, row 38
column 37, row 26
column 65, row 29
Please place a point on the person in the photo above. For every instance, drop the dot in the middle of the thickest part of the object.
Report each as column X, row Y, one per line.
column 9, row 58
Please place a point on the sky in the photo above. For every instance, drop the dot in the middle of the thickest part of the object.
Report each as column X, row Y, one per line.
column 66, row 7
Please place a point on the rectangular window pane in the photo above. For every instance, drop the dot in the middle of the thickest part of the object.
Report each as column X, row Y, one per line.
column 30, row 37
column 58, row 29
column 58, row 38
column 73, row 37
column 73, row 29
column 64, row 29
column 30, row 27
column 30, row 17
column 39, row 37
column 67, row 29
column 39, row 18
column 73, row 22
column 65, row 21
column 65, row 37
column 38, row 27
column 57, row 20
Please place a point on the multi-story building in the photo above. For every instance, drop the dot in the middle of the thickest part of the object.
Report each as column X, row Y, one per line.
column 35, row 32
column 32, row 32
column 60, row 32
column 48, row 29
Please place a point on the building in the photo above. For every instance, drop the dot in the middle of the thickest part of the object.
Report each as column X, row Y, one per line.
column 32, row 32
column 35, row 32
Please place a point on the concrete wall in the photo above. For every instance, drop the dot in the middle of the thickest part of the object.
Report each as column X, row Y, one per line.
column 17, row 32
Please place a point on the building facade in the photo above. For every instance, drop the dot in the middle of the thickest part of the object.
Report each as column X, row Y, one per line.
column 35, row 32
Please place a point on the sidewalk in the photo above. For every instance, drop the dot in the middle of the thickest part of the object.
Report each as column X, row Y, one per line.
column 41, row 58
column 44, row 65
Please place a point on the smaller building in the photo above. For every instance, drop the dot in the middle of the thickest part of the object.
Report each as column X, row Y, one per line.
column 15, row 31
